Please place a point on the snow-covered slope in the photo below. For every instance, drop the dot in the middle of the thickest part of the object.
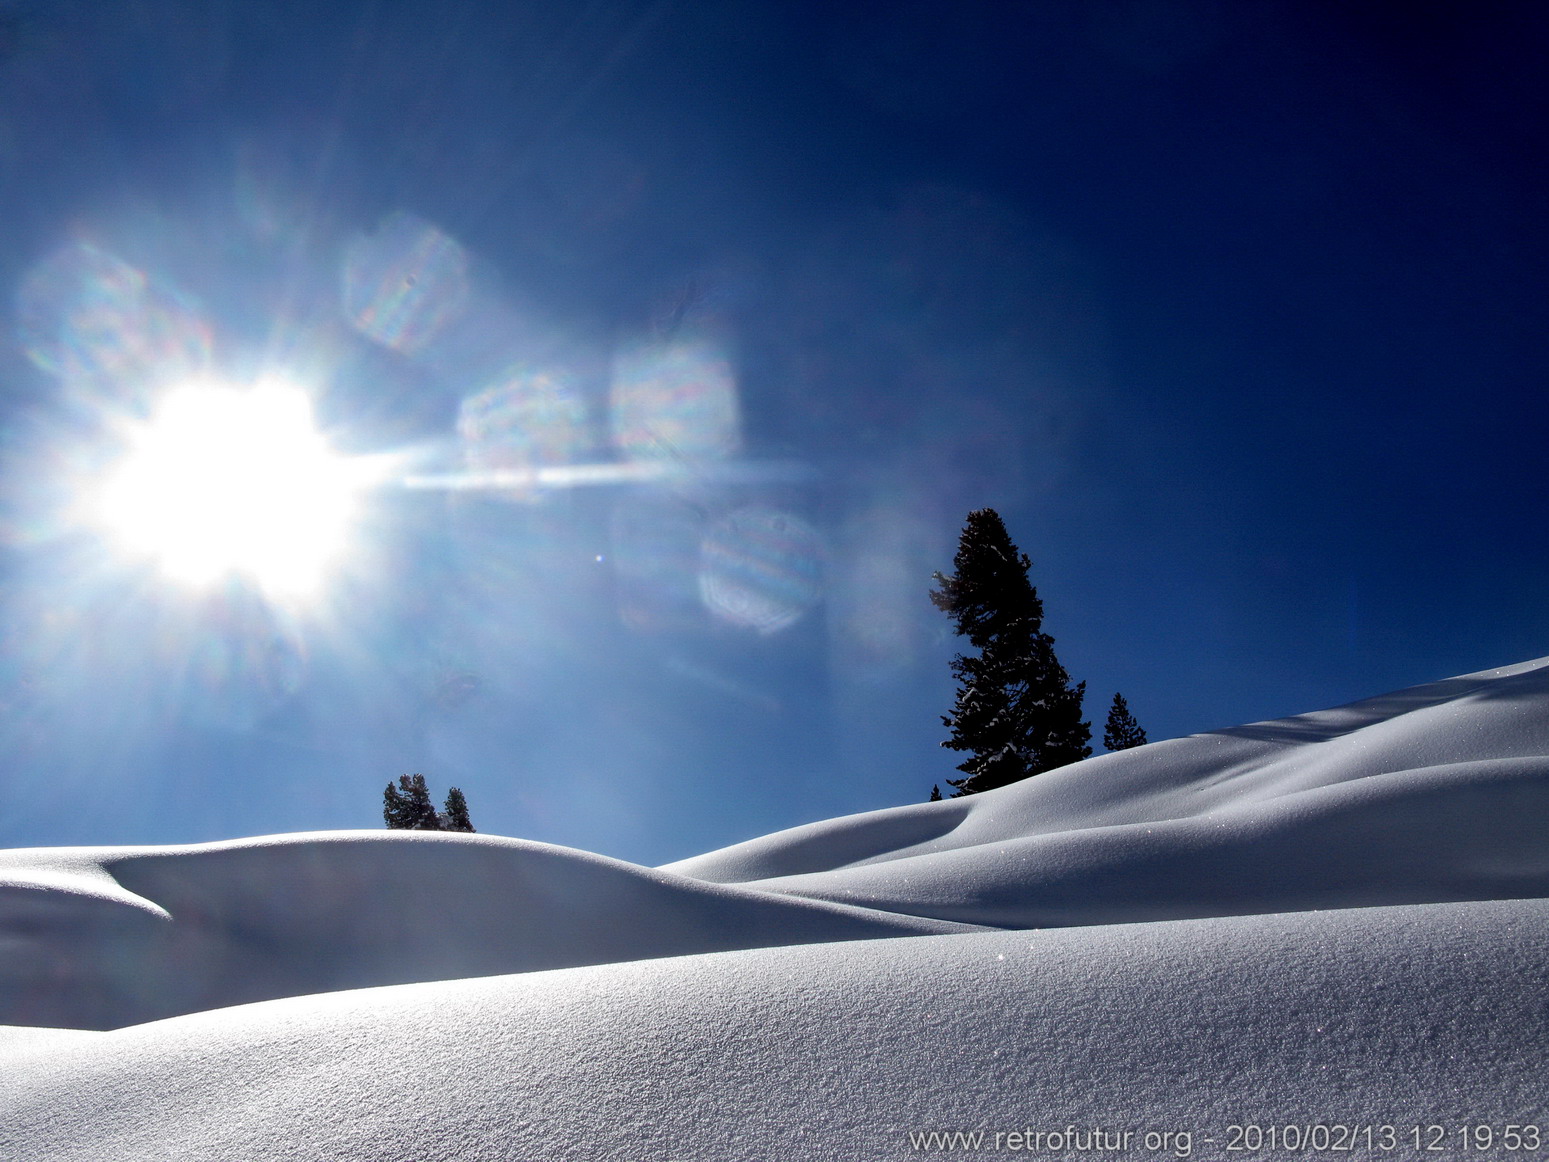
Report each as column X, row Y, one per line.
column 1428, row 795
column 99, row 938
column 1403, row 1016
column 1414, row 998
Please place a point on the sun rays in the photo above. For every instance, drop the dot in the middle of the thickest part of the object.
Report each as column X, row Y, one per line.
column 226, row 481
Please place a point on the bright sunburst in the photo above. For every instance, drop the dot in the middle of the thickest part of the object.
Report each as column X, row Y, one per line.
column 226, row 480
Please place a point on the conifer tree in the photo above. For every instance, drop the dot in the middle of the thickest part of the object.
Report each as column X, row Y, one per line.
column 1122, row 731
column 1016, row 710
column 395, row 808
column 409, row 808
column 935, row 793
column 456, row 816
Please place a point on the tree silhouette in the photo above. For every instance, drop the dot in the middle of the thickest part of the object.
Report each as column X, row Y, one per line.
column 1016, row 709
column 1122, row 731
column 407, row 807
column 456, row 817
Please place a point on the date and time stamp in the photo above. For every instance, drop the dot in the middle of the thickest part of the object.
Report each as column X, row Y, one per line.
column 1526, row 1140
column 1245, row 1140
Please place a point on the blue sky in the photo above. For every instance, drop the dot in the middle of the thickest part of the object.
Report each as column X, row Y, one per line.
column 1234, row 312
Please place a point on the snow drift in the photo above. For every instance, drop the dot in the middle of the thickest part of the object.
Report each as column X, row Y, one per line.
column 104, row 937
column 1398, row 1016
column 1338, row 918
column 1434, row 794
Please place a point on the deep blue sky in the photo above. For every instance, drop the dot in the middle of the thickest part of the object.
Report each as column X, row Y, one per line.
column 1235, row 312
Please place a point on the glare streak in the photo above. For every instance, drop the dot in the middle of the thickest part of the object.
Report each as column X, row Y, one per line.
column 624, row 472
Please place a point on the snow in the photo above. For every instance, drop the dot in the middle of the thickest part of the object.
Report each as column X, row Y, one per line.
column 108, row 937
column 1338, row 918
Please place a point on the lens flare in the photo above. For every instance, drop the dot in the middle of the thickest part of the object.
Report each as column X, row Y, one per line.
column 83, row 313
column 675, row 401
column 404, row 282
column 760, row 568
column 527, row 421
column 873, row 614
column 225, row 481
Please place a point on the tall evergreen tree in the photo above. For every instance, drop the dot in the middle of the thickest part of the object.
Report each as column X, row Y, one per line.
column 395, row 808
column 408, row 808
column 935, row 793
column 1122, row 731
column 1016, row 709
column 456, row 816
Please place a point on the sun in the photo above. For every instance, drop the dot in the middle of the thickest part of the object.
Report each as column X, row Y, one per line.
column 227, row 481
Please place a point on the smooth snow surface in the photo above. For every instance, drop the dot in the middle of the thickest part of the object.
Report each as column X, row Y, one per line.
column 106, row 937
column 1431, row 794
column 1419, row 997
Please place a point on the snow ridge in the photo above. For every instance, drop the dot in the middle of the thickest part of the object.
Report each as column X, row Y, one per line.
column 1339, row 919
